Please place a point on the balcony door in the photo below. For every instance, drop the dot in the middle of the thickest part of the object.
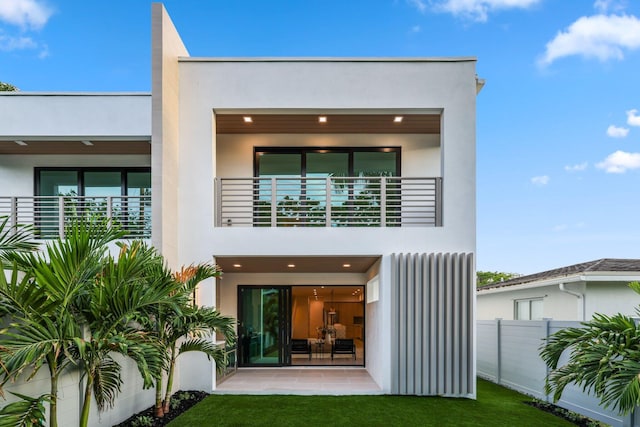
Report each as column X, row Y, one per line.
column 264, row 325
column 301, row 190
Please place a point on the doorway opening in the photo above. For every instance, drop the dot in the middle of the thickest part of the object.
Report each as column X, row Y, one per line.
column 301, row 325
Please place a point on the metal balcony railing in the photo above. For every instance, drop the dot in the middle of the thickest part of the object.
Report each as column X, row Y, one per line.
column 50, row 214
column 329, row 202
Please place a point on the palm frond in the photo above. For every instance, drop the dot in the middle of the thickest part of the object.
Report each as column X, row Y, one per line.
column 27, row 412
column 15, row 238
column 107, row 382
column 604, row 360
column 214, row 352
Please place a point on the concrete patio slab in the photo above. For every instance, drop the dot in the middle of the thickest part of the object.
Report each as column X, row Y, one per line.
column 302, row 381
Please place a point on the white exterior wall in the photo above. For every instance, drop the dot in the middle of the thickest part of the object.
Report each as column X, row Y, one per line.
column 130, row 400
column 420, row 154
column 306, row 86
column 611, row 298
column 600, row 297
column 272, row 86
column 41, row 116
column 556, row 305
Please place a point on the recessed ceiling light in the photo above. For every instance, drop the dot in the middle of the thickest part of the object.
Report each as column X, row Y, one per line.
column 21, row 143
column 397, row 119
column 322, row 119
column 346, row 265
column 87, row 143
column 247, row 119
column 291, row 265
column 237, row 265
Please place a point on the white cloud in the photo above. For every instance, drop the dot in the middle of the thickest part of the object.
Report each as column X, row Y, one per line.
column 632, row 118
column 560, row 227
column 8, row 43
column 418, row 4
column 576, row 168
column 25, row 13
column 416, row 29
column 617, row 132
column 478, row 10
column 540, row 180
column 602, row 6
column 600, row 36
column 620, row 162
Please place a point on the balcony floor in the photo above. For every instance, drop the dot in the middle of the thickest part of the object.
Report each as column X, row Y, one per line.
column 300, row 381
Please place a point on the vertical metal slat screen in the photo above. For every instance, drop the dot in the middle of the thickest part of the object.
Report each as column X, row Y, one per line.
column 433, row 324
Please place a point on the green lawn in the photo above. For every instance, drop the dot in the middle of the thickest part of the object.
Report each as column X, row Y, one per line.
column 496, row 406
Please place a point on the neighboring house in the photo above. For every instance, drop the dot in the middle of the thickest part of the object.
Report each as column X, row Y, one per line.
column 575, row 292
column 338, row 195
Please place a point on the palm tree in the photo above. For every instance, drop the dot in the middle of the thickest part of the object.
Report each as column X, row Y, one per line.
column 44, row 327
column 77, row 305
column 604, row 359
column 109, row 311
column 188, row 328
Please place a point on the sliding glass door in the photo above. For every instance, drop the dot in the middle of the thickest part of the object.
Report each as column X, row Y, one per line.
column 264, row 325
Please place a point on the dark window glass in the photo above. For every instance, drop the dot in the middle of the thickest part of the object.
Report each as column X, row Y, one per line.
column 59, row 183
column 374, row 163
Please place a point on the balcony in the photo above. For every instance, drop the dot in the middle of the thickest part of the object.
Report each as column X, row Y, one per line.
column 49, row 214
column 329, row 202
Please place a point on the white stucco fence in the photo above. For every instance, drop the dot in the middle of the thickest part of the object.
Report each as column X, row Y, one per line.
column 131, row 399
column 508, row 354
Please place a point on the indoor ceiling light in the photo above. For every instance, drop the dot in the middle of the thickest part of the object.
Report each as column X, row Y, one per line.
column 346, row 265
column 237, row 265
column 291, row 265
column 397, row 119
column 21, row 143
column 87, row 143
column 322, row 119
column 247, row 119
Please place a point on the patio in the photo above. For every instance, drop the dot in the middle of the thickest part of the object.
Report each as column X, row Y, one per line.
column 300, row 381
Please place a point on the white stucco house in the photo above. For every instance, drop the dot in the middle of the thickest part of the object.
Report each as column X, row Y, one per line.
column 574, row 292
column 337, row 194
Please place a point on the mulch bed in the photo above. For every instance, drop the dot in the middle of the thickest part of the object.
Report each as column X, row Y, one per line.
column 183, row 405
column 575, row 418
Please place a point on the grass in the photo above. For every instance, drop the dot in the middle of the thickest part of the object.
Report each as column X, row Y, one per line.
column 495, row 406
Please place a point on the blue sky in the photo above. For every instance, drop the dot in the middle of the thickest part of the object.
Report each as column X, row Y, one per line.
column 558, row 134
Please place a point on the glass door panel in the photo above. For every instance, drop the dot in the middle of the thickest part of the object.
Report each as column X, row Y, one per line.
column 319, row 167
column 55, row 183
column 288, row 191
column 263, row 325
column 138, row 205
column 98, row 184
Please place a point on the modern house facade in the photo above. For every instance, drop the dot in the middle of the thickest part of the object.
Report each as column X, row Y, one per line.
column 337, row 194
column 574, row 292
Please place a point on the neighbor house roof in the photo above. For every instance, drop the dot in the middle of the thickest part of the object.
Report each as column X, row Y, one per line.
column 609, row 265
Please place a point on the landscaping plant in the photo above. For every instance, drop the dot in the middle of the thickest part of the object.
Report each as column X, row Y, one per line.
column 604, row 359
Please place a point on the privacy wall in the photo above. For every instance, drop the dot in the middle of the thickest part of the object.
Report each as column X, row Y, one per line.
column 432, row 324
column 508, row 354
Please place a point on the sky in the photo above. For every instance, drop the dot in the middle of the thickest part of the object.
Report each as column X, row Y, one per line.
column 558, row 121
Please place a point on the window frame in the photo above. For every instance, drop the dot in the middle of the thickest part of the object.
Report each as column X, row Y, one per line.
column 303, row 151
column 81, row 171
column 529, row 301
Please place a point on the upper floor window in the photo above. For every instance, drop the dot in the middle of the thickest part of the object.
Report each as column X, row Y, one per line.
column 528, row 309
column 330, row 162
column 92, row 182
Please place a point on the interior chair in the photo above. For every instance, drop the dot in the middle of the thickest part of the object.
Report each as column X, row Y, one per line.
column 301, row 346
column 343, row 346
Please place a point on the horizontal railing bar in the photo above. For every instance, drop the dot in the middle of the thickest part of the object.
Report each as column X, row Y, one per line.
column 331, row 202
